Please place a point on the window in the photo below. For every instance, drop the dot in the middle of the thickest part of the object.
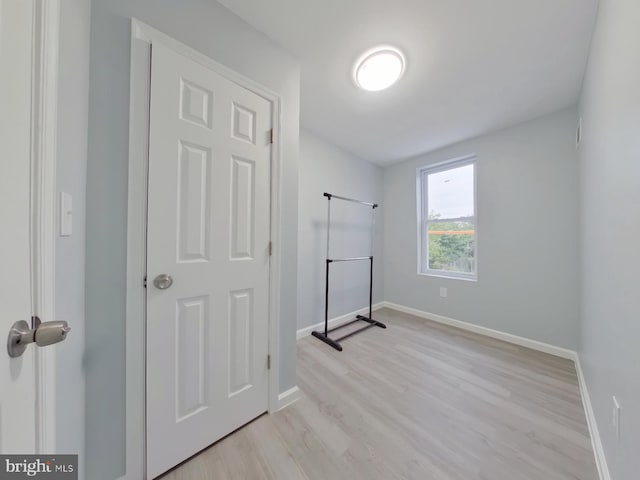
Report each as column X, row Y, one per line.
column 447, row 241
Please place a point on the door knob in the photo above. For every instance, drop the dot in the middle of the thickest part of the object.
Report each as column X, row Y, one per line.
column 163, row 281
column 46, row 333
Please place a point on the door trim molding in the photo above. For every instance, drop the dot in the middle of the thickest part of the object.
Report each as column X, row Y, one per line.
column 44, row 95
column 142, row 39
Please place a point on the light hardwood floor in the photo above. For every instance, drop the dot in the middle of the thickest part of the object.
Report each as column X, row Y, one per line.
column 419, row 401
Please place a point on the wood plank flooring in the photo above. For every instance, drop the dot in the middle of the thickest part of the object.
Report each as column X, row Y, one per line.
column 419, row 401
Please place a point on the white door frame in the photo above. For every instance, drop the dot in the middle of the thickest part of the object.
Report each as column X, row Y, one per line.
column 44, row 118
column 142, row 38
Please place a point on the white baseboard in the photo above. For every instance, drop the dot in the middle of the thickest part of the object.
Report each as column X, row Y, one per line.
column 335, row 322
column 288, row 397
column 488, row 332
column 596, row 442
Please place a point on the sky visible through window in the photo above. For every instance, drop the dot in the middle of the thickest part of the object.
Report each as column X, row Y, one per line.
column 451, row 193
column 450, row 225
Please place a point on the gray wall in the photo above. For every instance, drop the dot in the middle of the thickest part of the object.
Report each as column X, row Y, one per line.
column 527, row 234
column 210, row 28
column 610, row 230
column 325, row 168
column 73, row 96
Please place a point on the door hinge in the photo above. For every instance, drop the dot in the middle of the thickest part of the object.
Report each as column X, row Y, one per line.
column 271, row 136
column 268, row 362
column 270, row 248
column 144, row 282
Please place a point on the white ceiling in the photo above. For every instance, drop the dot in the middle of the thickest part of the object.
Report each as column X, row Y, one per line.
column 473, row 66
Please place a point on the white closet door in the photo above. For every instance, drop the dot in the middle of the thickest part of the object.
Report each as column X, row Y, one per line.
column 208, row 228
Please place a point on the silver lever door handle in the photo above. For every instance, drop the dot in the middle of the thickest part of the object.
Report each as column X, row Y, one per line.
column 49, row 333
column 46, row 333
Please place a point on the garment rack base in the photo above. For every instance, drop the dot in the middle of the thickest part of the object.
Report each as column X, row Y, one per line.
column 335, row 343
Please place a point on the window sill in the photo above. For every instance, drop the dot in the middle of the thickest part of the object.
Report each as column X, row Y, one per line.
column 449, row 276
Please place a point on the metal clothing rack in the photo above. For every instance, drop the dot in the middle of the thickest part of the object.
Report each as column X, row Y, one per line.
column 324, row 336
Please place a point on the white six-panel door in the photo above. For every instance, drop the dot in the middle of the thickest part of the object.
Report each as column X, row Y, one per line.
column 208, row 228
column 17, row 375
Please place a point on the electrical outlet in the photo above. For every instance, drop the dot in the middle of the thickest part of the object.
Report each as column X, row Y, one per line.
column 615, row 421
column 443, row 292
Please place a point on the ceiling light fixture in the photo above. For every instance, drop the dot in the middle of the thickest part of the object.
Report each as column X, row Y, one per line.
column 379, row 68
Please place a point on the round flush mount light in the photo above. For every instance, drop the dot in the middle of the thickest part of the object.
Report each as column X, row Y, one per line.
column 379, row 68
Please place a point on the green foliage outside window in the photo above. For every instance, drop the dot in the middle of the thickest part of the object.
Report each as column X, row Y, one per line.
column 451, row 251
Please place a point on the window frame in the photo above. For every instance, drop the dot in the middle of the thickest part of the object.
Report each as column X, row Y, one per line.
column 422, row 191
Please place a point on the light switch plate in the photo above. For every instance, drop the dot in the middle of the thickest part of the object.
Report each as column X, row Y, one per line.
column 616, row 417
column 66, row 214
column 443, row 292
column 579, row 133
